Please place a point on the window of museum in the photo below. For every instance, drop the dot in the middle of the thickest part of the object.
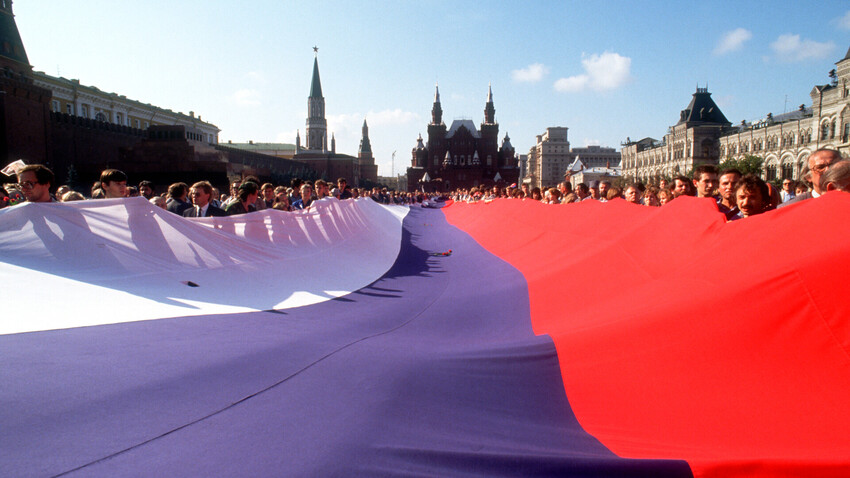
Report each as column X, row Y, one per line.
column 119, row 118
column 100, row 117
column 824, row 131
column 84, row 111
column 846, row 136
column 56, row 106
column 832, row 130
column 787, row 171
column 770, row 173
column 70, row 108
column 136, row 124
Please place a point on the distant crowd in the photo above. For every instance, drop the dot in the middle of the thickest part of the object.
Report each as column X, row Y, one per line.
column 737, row 195
column 36, row 183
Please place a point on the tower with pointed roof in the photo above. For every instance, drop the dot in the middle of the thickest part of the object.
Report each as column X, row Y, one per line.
column 317, row 125
column 24, row 110
column 365, row 160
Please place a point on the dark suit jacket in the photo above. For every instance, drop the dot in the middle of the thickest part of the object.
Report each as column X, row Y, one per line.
column 797, row 198
column 212, row 211
column 177, row 206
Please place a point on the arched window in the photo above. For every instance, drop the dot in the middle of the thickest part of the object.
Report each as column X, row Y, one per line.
column 824, row 130
column 770, row 172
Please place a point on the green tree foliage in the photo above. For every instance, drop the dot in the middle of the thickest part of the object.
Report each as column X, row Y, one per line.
column 747, row 164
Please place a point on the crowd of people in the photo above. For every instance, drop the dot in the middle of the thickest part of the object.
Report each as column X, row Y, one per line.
column 36, row 183
column 737, row 195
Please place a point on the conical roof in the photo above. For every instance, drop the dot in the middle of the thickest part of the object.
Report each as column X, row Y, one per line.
column 703, row 109
column 11, row 45
column 316, row 86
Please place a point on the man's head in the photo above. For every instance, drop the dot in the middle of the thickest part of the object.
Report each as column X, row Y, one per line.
column 751, row 195
column 788, row 185
column 728, row 180
column 663, row 184
column 341, row 183
column 681, row 186
column 146, row 189
column 35, row 182
column 705, row 180
column 819, row 162
column 306, row 191
column 201, row 193
column 582, row 191
column 114, row 183
column 604, row 186
column 178, row 191
column 632, row 194
column 268, row 192
column 248, row 192
column 837, row 177
column 524, row 188
column 234, row 188
column 158, row 201
column 322, row 189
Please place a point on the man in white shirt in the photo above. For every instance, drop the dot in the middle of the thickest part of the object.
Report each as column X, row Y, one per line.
column 200, row 194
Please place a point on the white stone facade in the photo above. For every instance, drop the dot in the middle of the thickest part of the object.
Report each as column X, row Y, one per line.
column 783, row 141
column 72, row 98
column 549, row 158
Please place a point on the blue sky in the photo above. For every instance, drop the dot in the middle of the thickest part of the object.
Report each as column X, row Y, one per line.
column 606, row 70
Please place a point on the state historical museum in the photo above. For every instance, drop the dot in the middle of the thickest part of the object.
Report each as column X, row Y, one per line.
column 462, row 156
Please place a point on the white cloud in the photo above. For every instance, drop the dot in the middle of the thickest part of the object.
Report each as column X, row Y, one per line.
column 790, row 48
column 732, row 41
column 572, row 84
column 531, row 74
column 844, row 22
column 246, row 97
column 603, row 72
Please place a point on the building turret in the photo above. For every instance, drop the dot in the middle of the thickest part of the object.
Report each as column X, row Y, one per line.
column 317, row 125
column 12, row 52
column 365, row 144
column 437, row 110
column 364, row 154
column 420, row 153
column 489, row 109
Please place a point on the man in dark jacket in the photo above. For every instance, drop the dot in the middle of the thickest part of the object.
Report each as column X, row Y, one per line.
column 201, row 193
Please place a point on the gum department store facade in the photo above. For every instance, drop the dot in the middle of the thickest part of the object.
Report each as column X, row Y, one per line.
column 703, row 135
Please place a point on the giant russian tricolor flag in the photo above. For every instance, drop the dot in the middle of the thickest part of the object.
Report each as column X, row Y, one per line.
column 578, row 340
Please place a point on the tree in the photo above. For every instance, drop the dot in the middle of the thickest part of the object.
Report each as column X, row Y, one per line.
column 747, row 164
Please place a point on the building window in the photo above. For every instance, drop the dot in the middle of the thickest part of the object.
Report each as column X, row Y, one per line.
column 787, row 171
column 147, row 125
column 70, row 108
column 56, row 106
column 136, row 124
column 770, row 173
column 84, row 111
column 846, row 136
column 119, row 118
column 100, row 117
column 824, row 131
